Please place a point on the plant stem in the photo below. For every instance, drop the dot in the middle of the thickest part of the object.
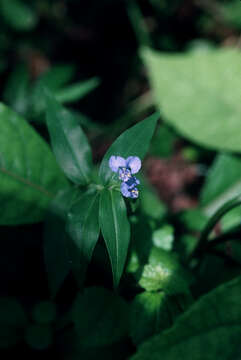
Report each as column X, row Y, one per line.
column 233, row 234
column 203, row 241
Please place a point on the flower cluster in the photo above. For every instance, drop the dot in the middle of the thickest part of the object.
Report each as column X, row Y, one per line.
column 125, row 169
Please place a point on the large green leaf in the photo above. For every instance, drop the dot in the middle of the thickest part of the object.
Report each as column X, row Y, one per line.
column 100, row 317
column 115, row 228
column 83, row 225
column 133, row 142
column 69, row 142
column 222, row 183
column 199, row 95
column 58, row 252
column 29, row 174
column 210, row 329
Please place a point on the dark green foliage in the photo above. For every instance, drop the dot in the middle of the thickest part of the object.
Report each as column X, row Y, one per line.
column 88, row 271
column 209, row 329
column 100, row 317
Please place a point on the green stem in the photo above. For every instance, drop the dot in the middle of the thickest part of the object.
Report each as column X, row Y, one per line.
column 232, row 234
column 202, row 244
column 138, row 24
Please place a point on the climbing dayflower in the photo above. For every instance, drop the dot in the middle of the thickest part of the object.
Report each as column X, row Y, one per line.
column 127, row 191
column 125, row 169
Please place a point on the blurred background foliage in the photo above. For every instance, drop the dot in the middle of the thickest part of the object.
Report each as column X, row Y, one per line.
column 87, row 54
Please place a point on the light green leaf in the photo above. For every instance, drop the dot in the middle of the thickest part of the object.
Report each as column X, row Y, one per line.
column 163, row 272
column 83, row 225
column 29, row 174
column 18, row 15
column 69, row 142
column 210, row 329
column 163, row 237
column 222, row 183
column 189, row 90
column 115, row 228
column 133, row 142
column 100, row 317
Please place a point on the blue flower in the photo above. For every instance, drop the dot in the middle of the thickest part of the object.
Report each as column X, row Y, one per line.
column 132, row 163
column 125, row 169
column 129, row 192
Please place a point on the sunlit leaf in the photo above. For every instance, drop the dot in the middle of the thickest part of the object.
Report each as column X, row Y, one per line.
column 190, row 93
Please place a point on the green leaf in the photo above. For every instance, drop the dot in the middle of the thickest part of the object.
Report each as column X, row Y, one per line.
column 53, row 79
column 83, row 225
column 100, row 317
column 16, row 93
column 222, row 183
column 163, row 272
column 13, row 320
column 57, row 76
column 210, row 329
column 58, row 254
column 69, row 142
column 115, row 228
column 163, row 142
column 232, row 13
column 76, row 91
column 149, row 315
column 189, row 91
column 193, row 219
column 133, row 142
column 163, row 238
column 18, row 15
column 29, row 174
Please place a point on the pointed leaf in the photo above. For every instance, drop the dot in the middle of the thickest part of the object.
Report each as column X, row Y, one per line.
column 76, row 91
column 134, row 141
column 29, row 174
column 69, row 142
column 100, row 317
column 115, row 228
column 83, row 225
column 210, row 329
